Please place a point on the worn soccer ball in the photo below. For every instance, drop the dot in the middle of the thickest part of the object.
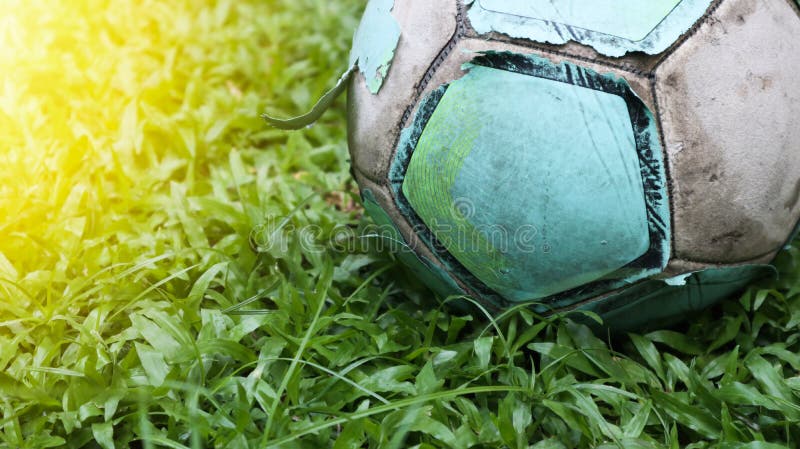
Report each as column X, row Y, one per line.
column 636, row 159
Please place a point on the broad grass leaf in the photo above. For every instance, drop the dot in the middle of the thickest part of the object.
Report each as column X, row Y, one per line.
column 762, row 295
column 157, row 337
column 698, row 386
column 715, row 367
column 352, row 435
column 12, row 388
column 529, row 334
column 557, row 354
column 443, row 358
column 677, row 341
column 550, row 443
column 44, row 441
column 743, row 394
column 778, row 349
column 104, row 434
column 222, row 210
column 730, row 329
column 732, row 366
column 57, row 371
column 427, row 381
column 247, row 324
column 595, row 417
column 730, row 430
column 470, row 412
column 688, row 415
column 203, row 282
column 424, row 422
column 393, row 379
column 513, row 418
column 572, row 417
column 214, row 324
column 794, row 383
column 226, row 349
column 192, row 227
column 464, row 437
column 635, row 426
column 483, row 351
column 153, row 363
column 172, row 325
column 649, row 353
column 596, row 351
column 769, row 377
column 630, row 443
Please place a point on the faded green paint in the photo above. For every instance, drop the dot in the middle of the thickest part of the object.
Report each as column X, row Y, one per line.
column 428, row 273
column 629, row 19
column 490, row 185
column 656, row 303
column 374, row 43
column 612, row 27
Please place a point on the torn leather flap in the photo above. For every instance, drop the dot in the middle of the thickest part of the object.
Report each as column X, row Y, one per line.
column 374, row 44
column 316, row 112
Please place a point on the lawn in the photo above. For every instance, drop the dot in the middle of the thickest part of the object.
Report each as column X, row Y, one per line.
column 171, row 273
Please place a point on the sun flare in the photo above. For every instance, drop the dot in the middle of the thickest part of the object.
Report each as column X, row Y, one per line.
column 74, row 77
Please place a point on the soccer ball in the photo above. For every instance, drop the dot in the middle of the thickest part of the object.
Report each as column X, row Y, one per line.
column 636, row 159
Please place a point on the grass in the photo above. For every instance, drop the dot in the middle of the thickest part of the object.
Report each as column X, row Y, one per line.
column 168, row 275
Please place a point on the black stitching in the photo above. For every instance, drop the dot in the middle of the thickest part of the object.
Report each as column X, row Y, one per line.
column 667, row 165
column 659, row 116
column 428, row 75
column 495, row 37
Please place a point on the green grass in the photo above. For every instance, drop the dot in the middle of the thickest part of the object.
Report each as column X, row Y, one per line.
column 155, row 289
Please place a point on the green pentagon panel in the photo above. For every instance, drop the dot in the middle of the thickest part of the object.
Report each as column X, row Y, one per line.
column 533, row 185
column 612, row 27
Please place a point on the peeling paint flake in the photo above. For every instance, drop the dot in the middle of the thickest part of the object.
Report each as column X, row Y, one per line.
column 679, row 280
column 612, row 27
column 374, row 43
